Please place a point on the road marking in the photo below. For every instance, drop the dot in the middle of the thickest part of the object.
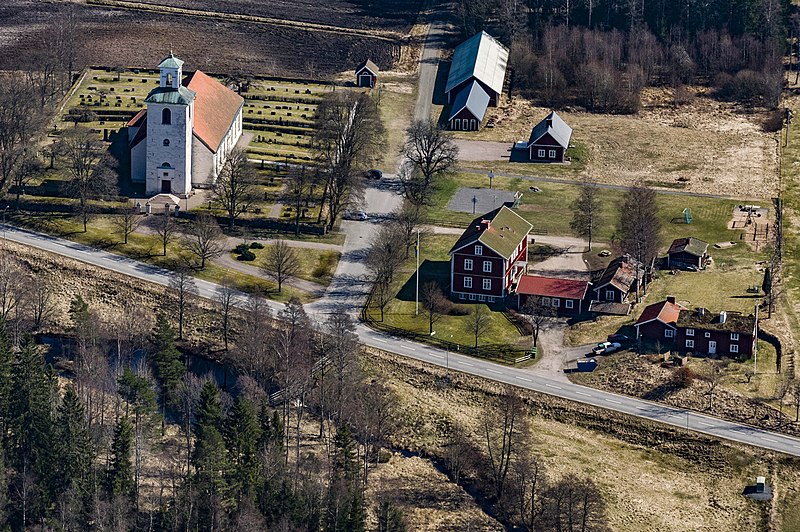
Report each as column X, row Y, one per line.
column 409, row 348
column 468, row 364
column 583, row 393
column 523, row 379
column 769, row 439
column 553, row 386
column 494, row 371
column 706, row 424
column 435, row 355
column 382, row 340
column 613, row 401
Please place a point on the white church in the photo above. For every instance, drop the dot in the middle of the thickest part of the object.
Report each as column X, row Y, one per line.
column 181, row 139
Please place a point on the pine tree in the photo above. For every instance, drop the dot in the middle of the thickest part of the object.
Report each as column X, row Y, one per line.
column 209, row 457
column 73, row 443
column 167, row 363
column 242, row 434
column 120, row 474
column 6, row 365
column 390, row 519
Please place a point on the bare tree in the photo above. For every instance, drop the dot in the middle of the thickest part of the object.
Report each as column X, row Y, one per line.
column 478, row 323
column 166, row 229
column 225, row 299
column 409, row 219
column 526, row 490
column 431, row 152
column 205, row 239
column 19, row 120
column 537, row 315
column 640, row 227
column 384, row 257
column 126, row 223
column 585, row 211
column 349, row 138
column 234, row 188
column 40, row 299
column 12, row 291
column 29, row 168
column 434, row 301
column 459, row 453
column 181, row 288
column 503, row 427
column 341, row 347
column 281, row 262
column 91, row 175
column 573, row 504
column 712, row 376
column 255, row 340
column 298, row 192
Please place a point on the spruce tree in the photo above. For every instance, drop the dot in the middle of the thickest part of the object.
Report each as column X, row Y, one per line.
column 120, row 474
column 167, row 364
column 6, row 365
column 209, row 457
column 73, row 443
column 242, row 434
column 390, row 519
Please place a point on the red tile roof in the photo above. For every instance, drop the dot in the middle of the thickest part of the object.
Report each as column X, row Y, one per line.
column 534, row 285
column 215, row 107
column 136, row 120
column 141, row 134
column 663, row 311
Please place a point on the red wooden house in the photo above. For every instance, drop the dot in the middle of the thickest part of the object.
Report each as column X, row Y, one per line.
column 564, row 296
column 701, row 332
column 658, row 322
column 619, row 280
column 367, row 74
column 549, row 140
column 489, row 256
column 689, row 251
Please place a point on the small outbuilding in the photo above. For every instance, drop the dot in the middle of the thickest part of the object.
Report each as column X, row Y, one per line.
column 564, row 296
column 549, row 140
column 688, row 252
column 760, row 491
column 367, row 74
column 469, row 108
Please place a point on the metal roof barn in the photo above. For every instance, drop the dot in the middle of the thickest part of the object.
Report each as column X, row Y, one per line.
column 482, row 57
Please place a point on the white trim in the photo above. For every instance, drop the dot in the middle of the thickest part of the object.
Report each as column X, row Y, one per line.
column 669, row 333
column 690, row 331
column 734, row 348
column 468, row 279
column 484, row 287
column 690, row 344
column 568, row 303
column 467, row 268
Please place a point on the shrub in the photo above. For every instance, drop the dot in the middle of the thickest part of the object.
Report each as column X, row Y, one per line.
column 324, row 267
column 247, row 256
column 459, row 310
column 256, row 245
column 683, row 377
column 773, row 121
column 240, row 249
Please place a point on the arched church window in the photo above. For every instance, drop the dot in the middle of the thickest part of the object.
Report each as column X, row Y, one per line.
column 166, row 117
column 166, row 142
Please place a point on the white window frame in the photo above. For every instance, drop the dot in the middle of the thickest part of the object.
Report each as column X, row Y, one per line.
column 568, row 303
column 555, row 302
column 472, row 297
column 689, row 332
column 690, row 344
column 551, row 154
column 490, row 299
column 468, row 265
column 481, row 297
column 545, row 301
column 734, row 348
column 487, row 266
column 462, row 296
column 541, row 154
column 708, row 335
column 669, row 333
column 467, row 282
column 734, row 336
column 479, row 250
column 487, row 282
column 610, row 294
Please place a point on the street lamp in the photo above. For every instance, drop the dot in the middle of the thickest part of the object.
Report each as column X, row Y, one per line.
column 491, row 178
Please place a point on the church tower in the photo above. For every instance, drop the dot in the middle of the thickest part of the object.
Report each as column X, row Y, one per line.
column 170, row 123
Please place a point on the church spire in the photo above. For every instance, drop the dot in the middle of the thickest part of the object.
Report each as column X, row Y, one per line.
column 171, row 72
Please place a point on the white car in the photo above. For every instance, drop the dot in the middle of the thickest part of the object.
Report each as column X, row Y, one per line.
column 355, row 215
column 605, row 348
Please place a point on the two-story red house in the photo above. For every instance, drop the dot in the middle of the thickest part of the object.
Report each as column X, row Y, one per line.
column 489, row 257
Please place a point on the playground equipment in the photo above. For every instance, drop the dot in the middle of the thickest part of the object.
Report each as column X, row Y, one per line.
column 687, row 215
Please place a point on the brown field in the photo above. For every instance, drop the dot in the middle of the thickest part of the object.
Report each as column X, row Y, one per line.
column 704, row 146
column 119, row 37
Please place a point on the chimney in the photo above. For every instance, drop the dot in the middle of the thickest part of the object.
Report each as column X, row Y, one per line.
column 549, row 122
column 486, row 224
column 701, row 312
column 723, row 316
column 671, row 299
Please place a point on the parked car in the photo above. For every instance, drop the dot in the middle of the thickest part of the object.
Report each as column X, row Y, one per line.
column 374, row 174
column 605, row 348
column 620, row 338
column 355, row 215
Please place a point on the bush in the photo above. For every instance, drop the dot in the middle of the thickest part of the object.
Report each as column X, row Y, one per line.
column 247, row 256
column 256, row 245
column 459, row 310
column 683, row 377
column 773, row 121
column 240, row 249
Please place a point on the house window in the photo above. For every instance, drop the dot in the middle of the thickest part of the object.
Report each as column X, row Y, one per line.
column 490, row 299
column 487, row 266
column 734, row 336
column 708, row 335
column 568, row 303
column 487, row 284
column 166, row 142
column 479, row 250
column 166, row 117
column 467, row 282
column 541, row 154
column 457, row 123
column 462, row 296
column 481, row 297
column 472, row 297
column 556, row 302
column 734, row 348
column 669, row 333
column 610, row 295
column 552, row 154
column 545, row 301
column 689, row 332
column 468, row 264
column 690, row 343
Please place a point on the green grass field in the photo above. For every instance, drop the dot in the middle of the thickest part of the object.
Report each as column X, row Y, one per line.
column 314, row 265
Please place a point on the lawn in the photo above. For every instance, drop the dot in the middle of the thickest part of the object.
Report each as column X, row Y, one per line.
column 315, row 265
column 434, row 265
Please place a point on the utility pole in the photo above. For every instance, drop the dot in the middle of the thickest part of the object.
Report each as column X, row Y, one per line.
column 416, row 299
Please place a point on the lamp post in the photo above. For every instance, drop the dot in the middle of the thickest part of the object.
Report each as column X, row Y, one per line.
column 491, row 178
column 416, row 299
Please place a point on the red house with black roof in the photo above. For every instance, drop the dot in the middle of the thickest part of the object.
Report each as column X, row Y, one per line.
column 489, row 257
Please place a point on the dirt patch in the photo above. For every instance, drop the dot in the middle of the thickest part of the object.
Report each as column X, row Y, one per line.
column 705, row 146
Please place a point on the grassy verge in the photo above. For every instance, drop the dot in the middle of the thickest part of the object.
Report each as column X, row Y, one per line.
column 314, row 265
column 434, row 265
column 396, row 110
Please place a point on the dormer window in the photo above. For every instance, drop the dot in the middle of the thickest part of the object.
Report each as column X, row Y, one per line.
column 166, row 117
column 166, row 142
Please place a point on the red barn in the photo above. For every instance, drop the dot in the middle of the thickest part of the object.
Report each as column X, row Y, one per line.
column 565, row 296
column 489, row 256
column 480, row 58
column 367, row 74
column 469, row 108
column 549, row 140
column 658, row 322
column 619, row 280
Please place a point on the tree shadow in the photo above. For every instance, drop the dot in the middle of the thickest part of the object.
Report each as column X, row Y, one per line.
column 437, row 271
